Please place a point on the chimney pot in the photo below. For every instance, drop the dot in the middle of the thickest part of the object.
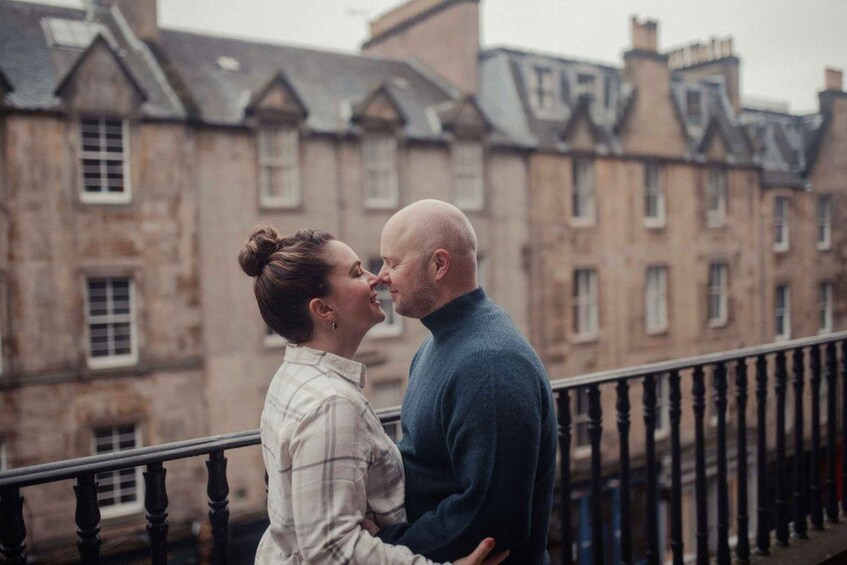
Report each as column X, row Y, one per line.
column 644, row 34
column 833, row 79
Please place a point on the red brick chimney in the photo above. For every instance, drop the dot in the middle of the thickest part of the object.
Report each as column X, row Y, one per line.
column 441, row 34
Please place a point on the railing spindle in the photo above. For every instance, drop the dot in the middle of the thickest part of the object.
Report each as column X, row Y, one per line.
column 623, row 432
column 87, row 519
column 675, row 413
column 564, row 418
column 719, row 389
column 831, row 426
column 12, row 526
column 843, row 426
column 595, row 432
column 156, row 504
column 815, row 509
column 763, row 537
column 799, row 449
column 652, row 487
column 217, row 490
column 782, row 517
column 742, row 548
column 698, row 390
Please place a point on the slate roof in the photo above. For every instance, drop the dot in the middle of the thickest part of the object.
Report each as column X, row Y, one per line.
column 35, row 67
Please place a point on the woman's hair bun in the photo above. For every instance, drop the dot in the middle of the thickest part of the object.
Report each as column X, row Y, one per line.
column 256, row 253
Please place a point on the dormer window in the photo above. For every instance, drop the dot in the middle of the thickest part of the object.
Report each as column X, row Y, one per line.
column 541, row 88
column 694, row 106
column 103, row 150
column 586, row 86
column 279, row 163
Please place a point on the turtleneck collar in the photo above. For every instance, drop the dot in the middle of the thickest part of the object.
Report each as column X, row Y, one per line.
column 444, row 319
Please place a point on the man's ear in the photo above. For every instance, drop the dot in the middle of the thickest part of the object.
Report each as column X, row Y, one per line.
column 321, row 311
column 441, row 262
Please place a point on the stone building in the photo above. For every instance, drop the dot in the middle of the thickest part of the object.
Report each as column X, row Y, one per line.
column 626, row 214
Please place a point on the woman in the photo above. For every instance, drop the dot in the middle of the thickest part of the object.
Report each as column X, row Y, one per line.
column 328, row 460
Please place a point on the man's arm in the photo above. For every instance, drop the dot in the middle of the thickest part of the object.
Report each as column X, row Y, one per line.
column 492, row 430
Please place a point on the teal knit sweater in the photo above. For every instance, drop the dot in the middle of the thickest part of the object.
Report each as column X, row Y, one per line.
column 479, row 438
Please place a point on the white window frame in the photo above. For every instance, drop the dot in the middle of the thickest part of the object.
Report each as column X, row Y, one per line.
column 663, row 400
column 824, row 222
column 120, row 508
column 782, row 312
column 656, row 299
column 716, row 197
column 583, row 204
column 586, row 315
column 273, row 339
column 718, row 290
column 781, row 218
column 393, row 323
column 654, row 196
column 468, row 175
column 580, row 422
column 110, row 361
column 122, row 158
column 279, row 166
column 825, row 307
column 379, row 166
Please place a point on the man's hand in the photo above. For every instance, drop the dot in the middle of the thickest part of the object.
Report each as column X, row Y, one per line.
column 479, row 554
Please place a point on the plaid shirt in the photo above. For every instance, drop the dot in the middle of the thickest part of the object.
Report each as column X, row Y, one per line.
column 329, row 465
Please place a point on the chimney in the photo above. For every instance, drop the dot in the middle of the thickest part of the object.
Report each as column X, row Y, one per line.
column 833, row 79
column 715, row 58
column 141, row 15
column 443, row 35
column 644, row 35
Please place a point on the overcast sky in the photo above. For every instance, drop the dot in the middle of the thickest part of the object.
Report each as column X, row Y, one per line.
column 783, row 44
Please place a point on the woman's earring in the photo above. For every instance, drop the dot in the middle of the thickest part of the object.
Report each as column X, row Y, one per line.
column 334, row 325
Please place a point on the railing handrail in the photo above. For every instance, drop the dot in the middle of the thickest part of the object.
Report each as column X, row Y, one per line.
column 71, row 468
column 604, row 377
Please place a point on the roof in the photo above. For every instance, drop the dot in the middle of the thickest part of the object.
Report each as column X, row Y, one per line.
column 785, row 143
column 35, row 66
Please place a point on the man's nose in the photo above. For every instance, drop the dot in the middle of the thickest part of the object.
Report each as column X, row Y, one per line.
column 382, row 275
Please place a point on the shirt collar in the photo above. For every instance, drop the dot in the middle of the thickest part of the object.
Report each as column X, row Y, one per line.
column 444, row 320
column 348, row 369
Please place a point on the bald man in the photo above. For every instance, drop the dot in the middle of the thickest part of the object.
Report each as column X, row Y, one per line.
column 479, row 429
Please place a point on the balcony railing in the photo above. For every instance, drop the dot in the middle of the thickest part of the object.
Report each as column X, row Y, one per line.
column 807, row 496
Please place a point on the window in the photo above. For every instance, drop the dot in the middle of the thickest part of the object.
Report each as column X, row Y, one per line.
column 482, row 270
column 583, row 190
column 663, row 421
column 279, row 165
column 393, row 323
column 654, row 196
column 541, row 88
column 582, row 440
column 387, row 394
column 118, row 492
column 825, row 307
column 273, row 339
column 780, row 223
column 656, row 299
column 694, row 106
column 111, row 322
column 824, row 222
column 468, row 175
column 716, row 197
column 782, row 312
column 586, row 87
column 379, row 156
column 4, row 462
column 717, row 294
column 585, row 307
column 103, row 154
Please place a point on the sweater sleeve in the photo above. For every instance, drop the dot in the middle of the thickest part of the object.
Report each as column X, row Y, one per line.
column 492, row 430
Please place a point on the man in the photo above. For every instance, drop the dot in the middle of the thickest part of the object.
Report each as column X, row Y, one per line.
column 479, row 445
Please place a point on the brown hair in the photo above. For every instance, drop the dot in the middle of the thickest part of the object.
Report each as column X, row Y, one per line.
column 290, row 271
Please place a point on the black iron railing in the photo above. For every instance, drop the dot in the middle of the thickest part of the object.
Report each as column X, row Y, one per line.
column 799, row 499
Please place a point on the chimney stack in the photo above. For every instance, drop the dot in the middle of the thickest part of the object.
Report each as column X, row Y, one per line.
column 441, row 34
column 833, row 79
column 644, row 35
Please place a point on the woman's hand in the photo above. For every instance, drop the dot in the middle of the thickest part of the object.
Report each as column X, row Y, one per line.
column 478, row 555
column 369, row 527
